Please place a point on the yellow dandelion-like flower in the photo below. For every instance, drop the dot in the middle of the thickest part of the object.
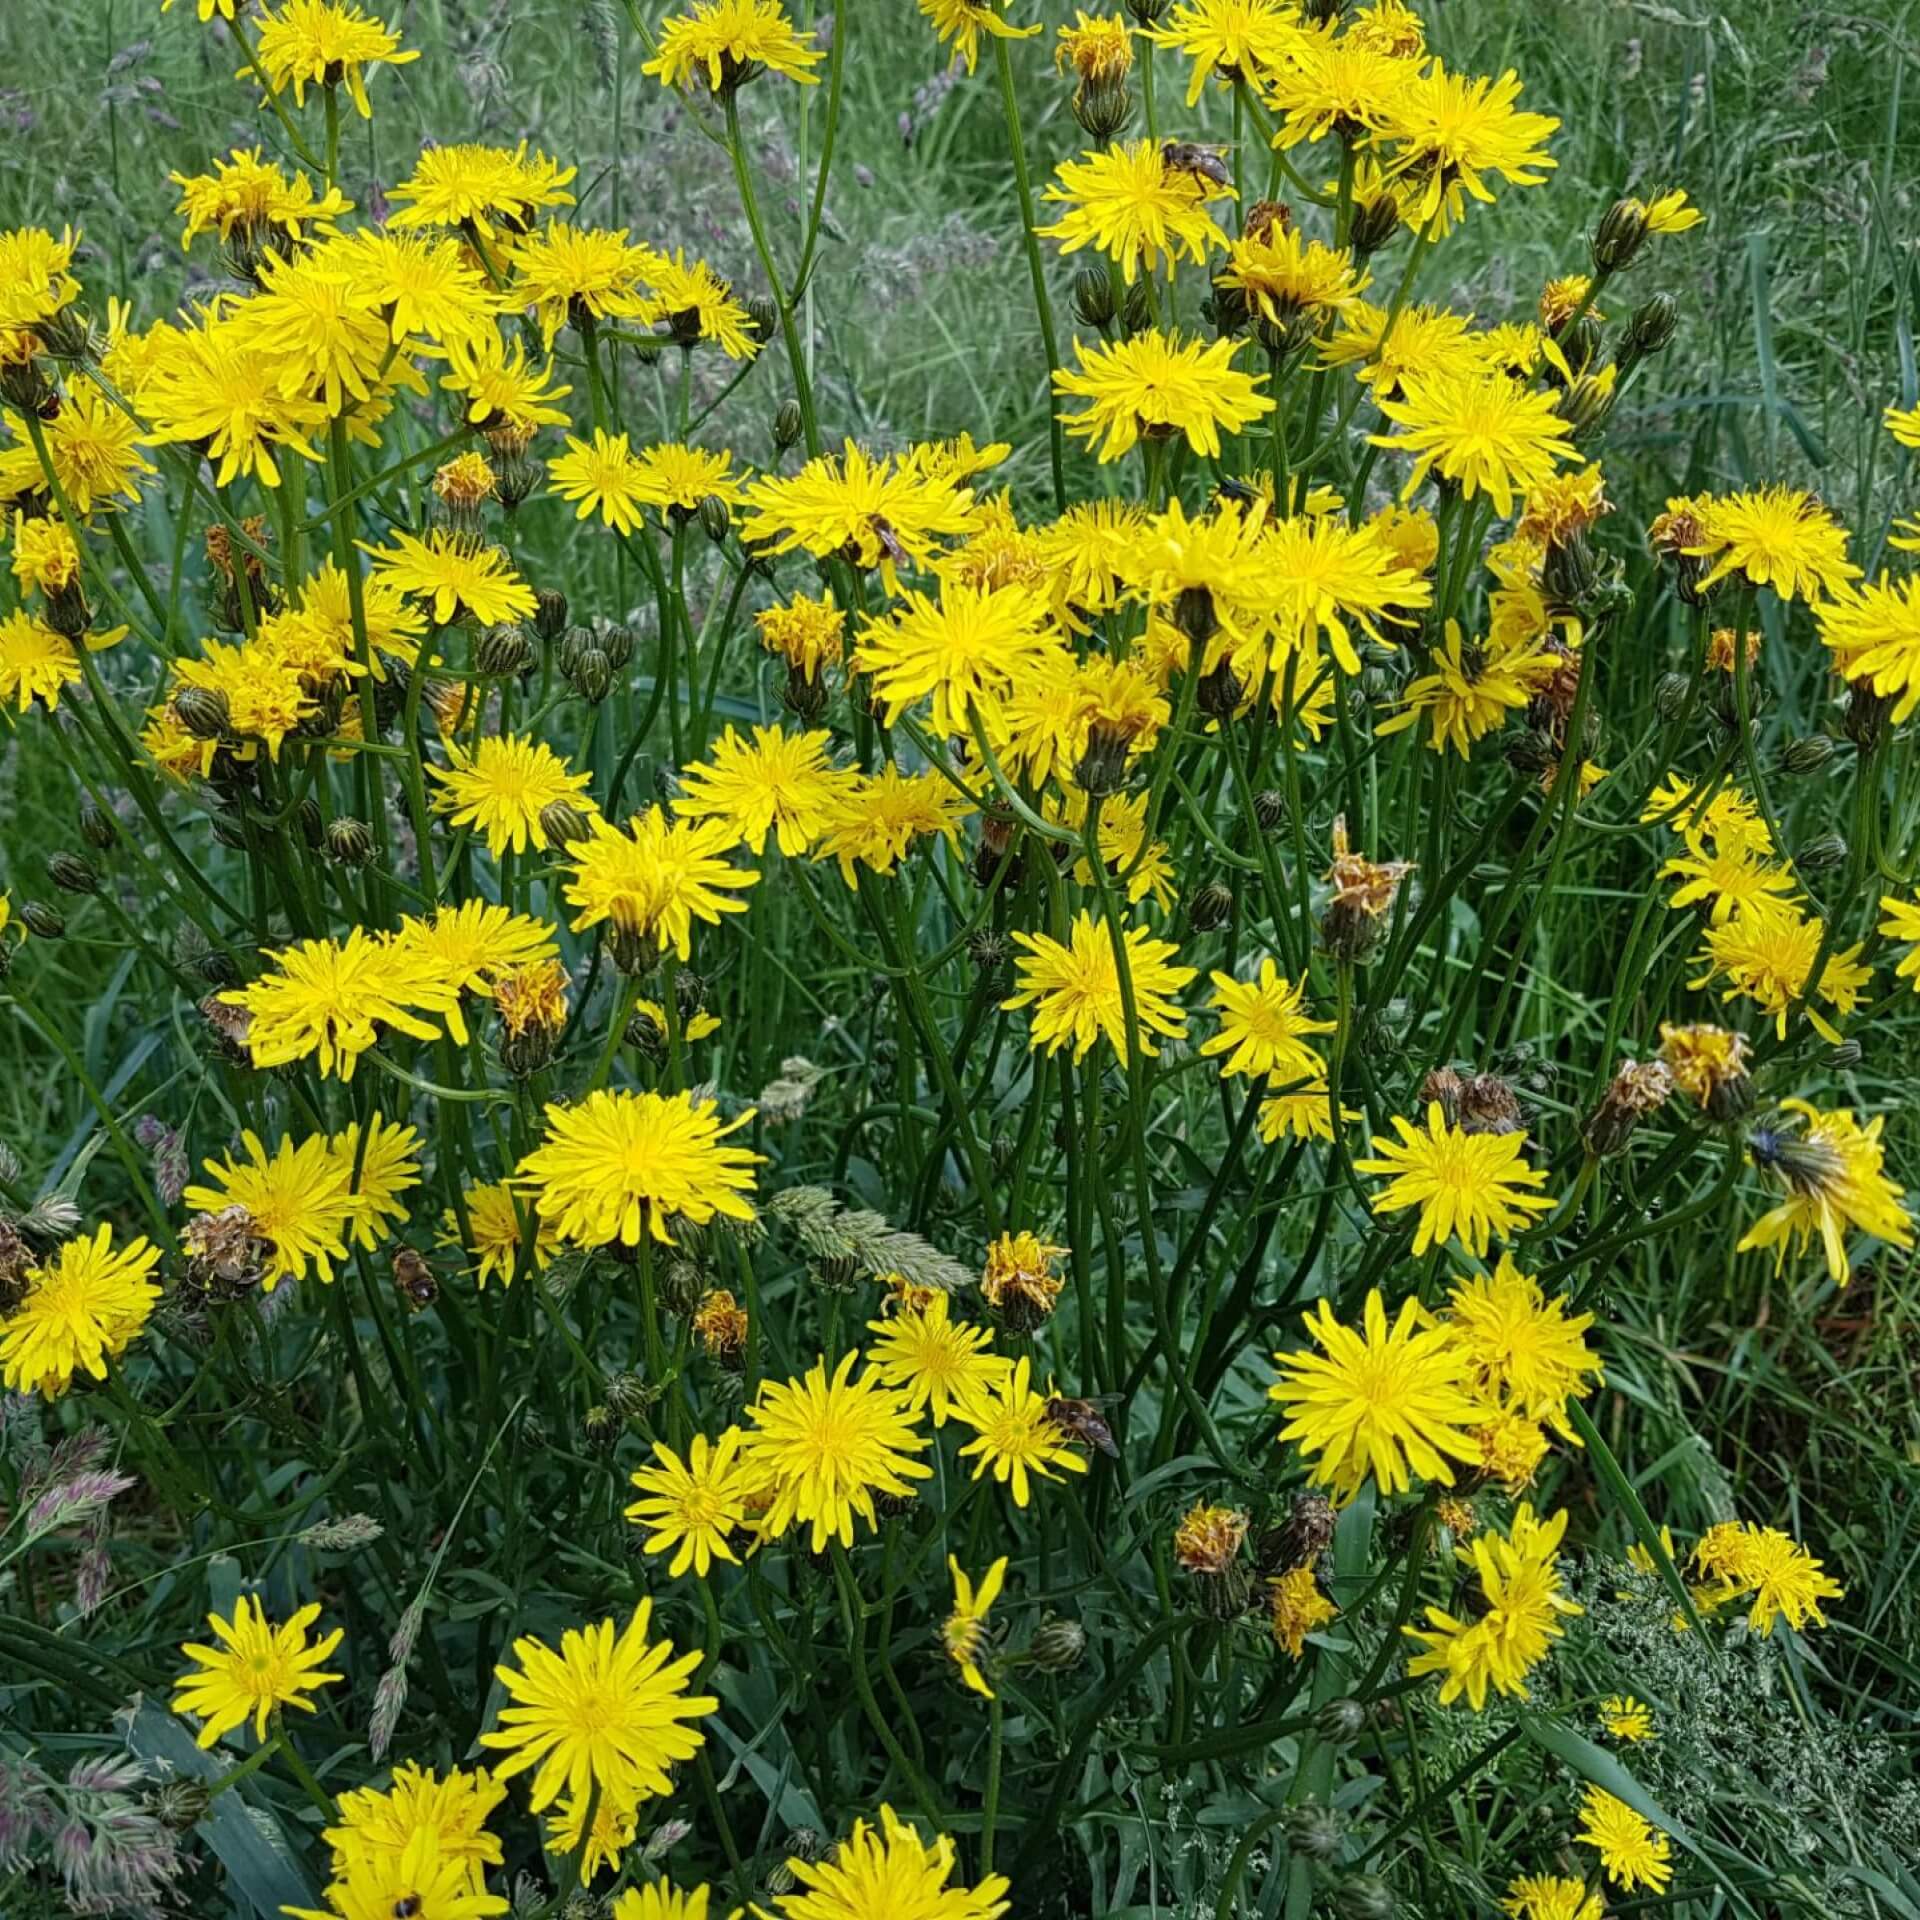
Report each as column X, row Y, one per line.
column 727, row 42
column 1873, row 633
column 1393, row 1401
column 1627, row 1718
column 419, row 1880
column 876, row 821
column 375, row 1176
column 506, row 396
column 1727, row 881
column 1339, row 83
column 1304, row 1114
column 82, row 1305
column 1446, row 132
column 1097, row 47
column 963, row 654
column 680, row 477
column 1229, row 39
column 307, row 43
column 1483, row 432
column 1131, row 205
column 1633, row 1850
column 1015, row 1438
column 809, row 635
column 1263, row 1024
column 619, row 1164
column 1295, row 1608
column 964, row 1631
column 1285, row 275
column 564, row 272
column 460, row 185
column 1778, row 537
column 95, row 451
column 614, row 1825
column 962, row 22
column 603, row 477
column 823, row 1447
column 297, row 1202
column 1467, row 1186
column 1074, row 988
column 655, row 876
column 1156, row 385
column 932, row 1360
column 35, row 662
column 1020, row 1281
column 1422, row 341
column 1767, row 953
column 1551, row 1896
column 781, row 784
column 1471, row 690
column 496, row 1235
column 377, row 1828
column 696, row 304
column 502, row 787
column 606, row 1712
column 455, row 575
column 1525, row 1350
column 658, row 1901
column 888, row 1873
column 256, row 1671
column 1209, row 1538
column 1321, row 575
column 1833, row 1171
column 691, row 1506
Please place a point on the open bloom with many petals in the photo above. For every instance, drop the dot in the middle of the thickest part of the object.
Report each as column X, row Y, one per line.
column 257, row 1670
column 1468, row 1186
column 83, row 1304
column 1129, row 204
column 964, row 1634
column 1832, row 1169
column 1075, row 992
column 1158, row 385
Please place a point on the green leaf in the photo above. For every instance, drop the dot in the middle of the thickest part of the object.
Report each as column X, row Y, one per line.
column 1617, row 1484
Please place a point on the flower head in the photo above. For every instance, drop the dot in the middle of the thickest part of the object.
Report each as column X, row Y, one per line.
column 1626, row 1718
column 888, row 1873
column 1155, row 384
column 605, row 1712
column 496, row 1233
column 727, row 42
column 1468, row 1186
column 297, row 1201
column 1633, row 1850
column 482, row 187
column 1551, row 1896
column 1392, row 1401
column 603, row 477
column 1832, row 1170
column 82, row 1305
column 1014, row 1435
column 1767, row 953
column 654, row 877
column 306, row 43
column 456, row 575
column 1263, row 1027
column 1127, row 202
column 1446, row 132
column 35, row 662
column 1482, row 431
column 1778, row 537
column 808, row 634
column 1209, row 1538
column 690, row 1506
column 875, row 822
column 1873, row 633
column 963, row 22
column 255, row 1671
column 502, row 787
column 1525, row 1351
column 619, row 1164
column 1295, row 1608
column 964, row 655
column 933, row 1360
column 1229, row 39
column 781, row 785
column 1075, row 992
column 965, row 1631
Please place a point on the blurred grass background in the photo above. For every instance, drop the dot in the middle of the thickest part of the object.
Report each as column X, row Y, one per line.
column 1793, row 126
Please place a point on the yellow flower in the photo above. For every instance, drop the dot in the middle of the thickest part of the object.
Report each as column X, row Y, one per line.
column 1778, row 537
column 965, row 1631
column 1304, row 1114
column 419, row 1880
column 1468, row 1186
column 1015, row 1437
column 1904, row 424
column 1729, row 880
column 1470, row 691
column 658, row 1901
column 497, row 1234
column 307, row 43
column 1783, row 1580
column 1524, row 1350
column 932, row 1360
column 463, row 185
column 1390, row 1401
column 258, row 197
column 680, row 477
column 255, row 1671
column 1903, row 924
column 1153, row 384
column 889, row 1874
column 697, row 305
column 81, row 1306
column 1873, row 633
column 1633, row 1850
column 721, row 1324
column 616, row 1165
column 1767, row 952
column 1422, row 342
column 808, row 634
column 615, row 1823
column 606, row 1712
column 95, row 451
column 1098, row 47
column 1515, row 1622
column 297, row 1202
column 1262, row 1027
column 963, row 22
column 1482, row 431
column 374, row 1177
column 604, row 478
column 45, row 559
column 1230, row 39
column 781, row 784
column 654, row 877
column 1209, row 1538
column 35, row 662
column 216, row 386
column 1122, row 838
column 1446, row 132
column 1019, row 1281
column 1666, row 211
column 1831, row 1169
column 503, row 787
column 876, row 821
column 330, row 997
column 1626, row 1718
column 563, row 271
column 469, row 947
column 728, row 42
column 1284, row 275
column 456, row 575
column 692, row 1505
column 1705, row 1061
column 822, row 1448
column 1295, row 1608
column 1551, row 1896
column 964, row 654
column 377, row 1828
column 507, row 397
column 1135, row 208
column 1076, row 994
column 1322, row 573
column 1336, row 83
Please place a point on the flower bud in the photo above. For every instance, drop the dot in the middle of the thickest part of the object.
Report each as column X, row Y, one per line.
column 1210, row 908
column 41, row 920
column 349, row 842
column 313, row 824
column 1653, row 325
column 1270, row 809
column 803, row 696
column 72, row 874
column 1093, row 297
column 1058, row 1644
column 764, row 315
column 1146, row 12
column 1621, row 234
column 1136, row 306
column 1670, row 695
column 591, row 675
column 1313, row 1830
column 1867, row 714
column 97, row 827
column 1569, row 572
column 618, row 643
column 563, row 823
column 1375, row 222
column 716, row 518
column 1808, row 755
column 550, row 614
column 1103, row 107
column 788, row 425
column 202, row 711
column 502, row 651
column 1822, row 855
column 180, row 1804
column 988, row 949
column 1586, row 404
column 601, row 1430
column 230, row 828
column 1340, row 1722
column 1364, row 1897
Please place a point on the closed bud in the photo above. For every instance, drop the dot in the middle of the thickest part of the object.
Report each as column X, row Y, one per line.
column 1586, row 404
column 71, row 873
column 988, row 950
column 1103, row 107
column 563, row 823
column 1670, row 696
column 1210, row 908
column 571, row 645
column 1568, row 572
column 180, row 1804
column 502, row 651
column 1093, row 297
column 1270, row 809
column 628, row 1394
column 1846, row 1056
column 645, row 1035
column 1809, row 755
column 202, row 711
column 601, row 1430
column 1375, row 222
column 1340, row 1722
column 1653, row 324
column 1364, row 1897
column 788, row 425
column 1822, row 855
column 1621, row 234
column 1146, row 12
column 390, row 694
column 41, row 921
column 764, row 315
column 1532, row 751
column 1313, row 1830
column 96, row 826
column 217, row 968
column 1136, row 307
column 716, row 518
column 515, row 475
column 230, row 829
column 550, row 614
column 1058, row 1644
column 66, row 335
column 67, row 612
column 349, row 842
column 1867, row 714
column 618, row 643
column 313, row 824
column 591, row 675
column 681, row 1286
column 803, row 696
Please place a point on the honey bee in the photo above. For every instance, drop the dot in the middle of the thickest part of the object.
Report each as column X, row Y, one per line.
column 1083, row 1420
column 415, row 1279
column 889, row 540
column 1204, row 163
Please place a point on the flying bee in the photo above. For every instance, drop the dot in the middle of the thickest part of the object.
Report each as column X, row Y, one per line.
column 415, row 1279
column 1082, row 1420
column 1204, row 163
